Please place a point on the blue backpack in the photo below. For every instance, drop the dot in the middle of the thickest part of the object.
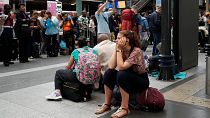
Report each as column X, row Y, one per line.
column 145, row 24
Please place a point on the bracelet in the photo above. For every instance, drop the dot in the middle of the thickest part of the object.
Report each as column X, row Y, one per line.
column 118, row 51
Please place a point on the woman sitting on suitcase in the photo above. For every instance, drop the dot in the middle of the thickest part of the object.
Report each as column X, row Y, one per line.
column 130, row 75
column 69, row 74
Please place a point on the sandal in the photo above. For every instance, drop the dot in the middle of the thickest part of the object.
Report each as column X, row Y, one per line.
column 103, row 108
column 118, row 113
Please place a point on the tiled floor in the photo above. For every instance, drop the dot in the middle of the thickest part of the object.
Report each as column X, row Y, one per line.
column 186, row 92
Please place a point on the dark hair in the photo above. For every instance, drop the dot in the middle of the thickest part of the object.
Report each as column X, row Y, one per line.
column 7, row 9
column 132, row 37
column 42, row 13
column 49, row 14
column 82, row 41
column 21, row 5
column 60, row 16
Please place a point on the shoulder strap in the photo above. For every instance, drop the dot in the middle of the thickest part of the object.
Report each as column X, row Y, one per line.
column 105, row 19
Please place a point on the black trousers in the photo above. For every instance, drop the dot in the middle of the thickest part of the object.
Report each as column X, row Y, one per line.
column 6, row 40
column 25, row 44
column 65, row 75
column 52, row 45
column 69, row 39
column 127, row 80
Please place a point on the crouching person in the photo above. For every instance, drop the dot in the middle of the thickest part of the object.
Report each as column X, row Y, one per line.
column 69, row 75
column 130, row 76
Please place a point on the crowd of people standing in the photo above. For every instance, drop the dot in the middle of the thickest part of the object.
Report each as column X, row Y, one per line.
column 40, row 33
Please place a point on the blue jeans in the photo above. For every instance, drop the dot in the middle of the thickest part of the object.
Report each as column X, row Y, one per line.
column 156, row 41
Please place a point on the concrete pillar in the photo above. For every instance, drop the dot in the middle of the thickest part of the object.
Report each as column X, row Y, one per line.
column 79, row 7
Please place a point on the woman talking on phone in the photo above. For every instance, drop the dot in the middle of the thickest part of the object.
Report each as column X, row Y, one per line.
column 126, row 70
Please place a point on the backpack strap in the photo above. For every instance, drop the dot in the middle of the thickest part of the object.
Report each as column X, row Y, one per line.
column 105, row 19
column 83, row 49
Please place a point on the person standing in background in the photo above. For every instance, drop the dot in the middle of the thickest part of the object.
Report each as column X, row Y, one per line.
column 68, row 33
column 92, row 27
column 155, row 27
column 35, row 34
column 83, row 24
column 36, row 27
column 7, row 35
column 42, row 20
column 51, row 34
column 23, row 33
column 103, row 18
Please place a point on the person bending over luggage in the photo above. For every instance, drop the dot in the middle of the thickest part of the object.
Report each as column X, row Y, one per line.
column 130, row 75
column 69, row 74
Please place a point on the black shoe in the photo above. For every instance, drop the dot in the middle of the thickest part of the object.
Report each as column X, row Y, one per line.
column 22, row 61
column 87, row 97
column 6, row 64
column 11, row 62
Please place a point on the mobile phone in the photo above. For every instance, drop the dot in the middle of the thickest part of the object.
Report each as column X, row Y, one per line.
column 3, row 16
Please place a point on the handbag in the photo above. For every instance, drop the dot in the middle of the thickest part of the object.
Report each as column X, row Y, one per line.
column 151, row 100
column 63, row 45
column 73, row 91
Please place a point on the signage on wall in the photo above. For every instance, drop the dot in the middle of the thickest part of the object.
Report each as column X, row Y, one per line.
column 3, row 2
column 51, row 6
column 158, row 3
column 59, row 7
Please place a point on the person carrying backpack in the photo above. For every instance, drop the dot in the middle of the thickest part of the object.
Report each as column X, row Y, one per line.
column 70, row 74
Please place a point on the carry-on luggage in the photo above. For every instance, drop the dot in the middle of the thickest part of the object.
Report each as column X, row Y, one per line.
column 149, row 100
column 76, row 91
column 73, row 91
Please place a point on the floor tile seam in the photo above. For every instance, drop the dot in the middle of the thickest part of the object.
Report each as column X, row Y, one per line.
column 186, row 102
column 185, row 89
column 12, row 83
column 23, row 88
column 196, row 97
column 170, row 95
column 196, row 103
column 181, row 82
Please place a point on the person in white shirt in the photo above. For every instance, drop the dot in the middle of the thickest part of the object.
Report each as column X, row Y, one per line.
column 103, row 18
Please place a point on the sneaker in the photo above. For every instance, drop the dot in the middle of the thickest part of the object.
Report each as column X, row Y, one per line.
column 44, row 56
column 54, row 96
